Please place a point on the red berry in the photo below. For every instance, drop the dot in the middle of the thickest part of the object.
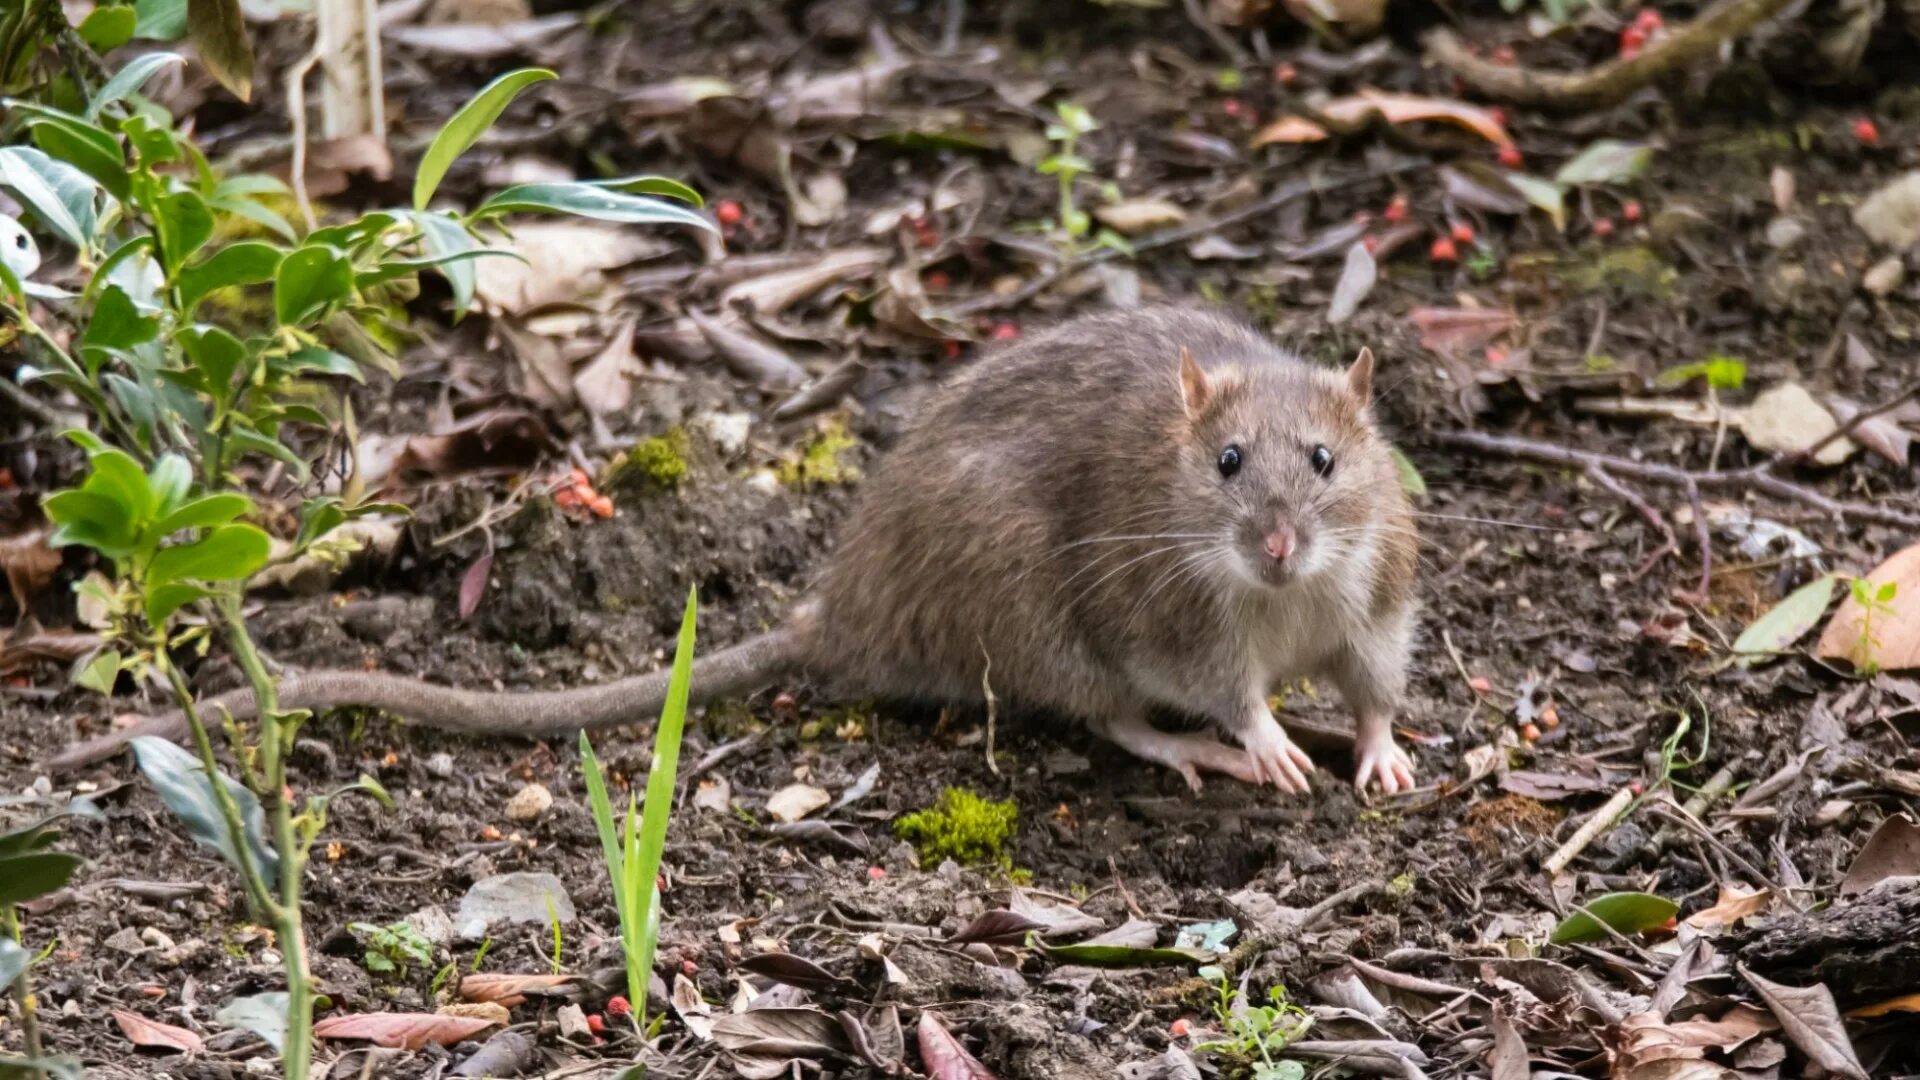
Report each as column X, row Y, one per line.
column 951, row 349
column 1396, row 210
column 596, row 1023
column 1649, row 20
column 876, row 873
column 1531, row 733
column 1504, row 55
column 939, row 280
column 1637, row 787
column 1603, row 227
column 1443, row 251
column 1510, row 157
column 1631, row 211
column 1631, row 39
column 618, row 1005
column 1179, row 1028
column 1285, row 73
column 1233, row 107
column 1495, row 357
column 689, row 968
column 1463, row 233
column 1867, row 132
column 729, row 212
column 1005, row 331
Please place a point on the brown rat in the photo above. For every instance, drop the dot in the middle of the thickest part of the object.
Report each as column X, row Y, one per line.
column 1132, row 512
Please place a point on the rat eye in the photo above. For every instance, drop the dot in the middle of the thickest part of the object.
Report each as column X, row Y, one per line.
column 1322, row 461
column 20, row 241
column 1229, row 461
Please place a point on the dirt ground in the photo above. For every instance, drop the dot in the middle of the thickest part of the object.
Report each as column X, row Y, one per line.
column 1539, row 616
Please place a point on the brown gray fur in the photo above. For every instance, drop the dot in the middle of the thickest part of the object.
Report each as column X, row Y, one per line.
column 1059, row 511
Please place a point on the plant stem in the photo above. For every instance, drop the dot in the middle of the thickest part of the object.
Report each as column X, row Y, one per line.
column 276, row 737
column 22, row 986
column 251, row 877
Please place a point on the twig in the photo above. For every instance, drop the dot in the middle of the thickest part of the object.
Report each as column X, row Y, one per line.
column 1668, row 542
column 297, row 116
column 1704, row 536
column 1609, row 83
column 1678, row 816
column 1761, row 480
column 1221, row 39
column 1600, row 822
column 1906, row 394
column 993, row 707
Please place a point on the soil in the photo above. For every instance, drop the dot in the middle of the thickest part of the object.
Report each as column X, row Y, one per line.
column 1533, row 586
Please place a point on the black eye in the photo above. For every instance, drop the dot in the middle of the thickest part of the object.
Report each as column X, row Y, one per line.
column 1322, row 460
column 1229, row 461
column 20, row 241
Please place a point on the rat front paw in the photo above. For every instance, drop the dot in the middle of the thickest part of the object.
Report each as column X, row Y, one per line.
column 1276, row 760
column 1381, row 759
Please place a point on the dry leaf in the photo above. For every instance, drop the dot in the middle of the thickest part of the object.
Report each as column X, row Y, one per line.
column 693, row 1010
column 1811, row 1021
column 1893, row 851
column 1881, row 434
column 1357, row 279
column 30, row 565
column 943, row 1056
column 401, row 1031
column 332, row 163
column 605, row 385
column 795, row 801
column 473, row 584
column 715, row 794
column 1892, row 641
column 1351, row 112
column 1734, row 904
column 1785, row 419
column 1507, row 1058
column 491, row 1011
column 771, row 294
column 157, row 1036
column 1906, row 1003
column 1134, row 216
column 559, row 262
column 507, row 990
column 474, row 41
column 1459, row 330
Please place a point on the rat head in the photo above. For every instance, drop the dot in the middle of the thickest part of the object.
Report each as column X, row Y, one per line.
column 1289, row 471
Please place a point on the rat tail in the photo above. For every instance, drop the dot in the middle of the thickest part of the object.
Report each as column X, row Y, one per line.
column 747, row 666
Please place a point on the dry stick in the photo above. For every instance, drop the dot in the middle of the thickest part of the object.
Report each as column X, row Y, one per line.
column 1704, row 537
column 1600, row 822
column 1673, row 813
column 1906, row 394
column 297, row 115
column 1760, row 479
column 1720, row 783
column 1668, row 542
column 1609, row 83
column 1260, row 941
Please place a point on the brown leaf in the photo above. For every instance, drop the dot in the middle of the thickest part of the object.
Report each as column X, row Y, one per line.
column 1135, row 216
column 1811, row 1021
column 1733, row 905
column 28, row 644
column 999, row 927
column 1893, row 851
column 1893, row 643
column 783, row 967
column 943, row 1056
column 498, row 440
column 1351, row 112
column 745, row 354
column 771, row 294
column 1460, row 330
column 1906, row 1003
column 401, row 1031
column 605, row 385
column 508, row 990
column 803, row 1033
column 29, row 564
column 157, row 1036
column 473, row 584
column 1548, row 786
column 1881, row 434
column 559, row 262
column 475, row 41
column 219, row 33
column 1507, row 1059
column 877, row 1038
column 545, row 368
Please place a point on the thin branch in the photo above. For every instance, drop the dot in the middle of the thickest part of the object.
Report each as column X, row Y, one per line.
column 1668, row 542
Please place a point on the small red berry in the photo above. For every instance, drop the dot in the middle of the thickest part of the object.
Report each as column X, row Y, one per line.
column 1480, row 684
column 1396, row 210
column 1637, row 787
column 1285, row 73
column 1443, row 251
column 951, row 349
column 1632, row 39
column 1510, row 157
column 876, row 873
column 939, row 280
column 1603, row 227
column 1005, row 331
column 1867, row 132
column 596, row 1023
column 689, row 968
column 1504, row 55
column 1495, row 357
column 618, row 1005
column 1531, row 733
column 1649, row 20
column 1463, row 233
column 729, row 212
column 1179, row 1028
column 1233, row 107
column 1631, row 211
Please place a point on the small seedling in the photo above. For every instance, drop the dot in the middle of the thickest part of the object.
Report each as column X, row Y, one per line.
column 1720, row 373
column 559, row 938
column 392, row 949
column 1067, row 167
column 1257, row 1032
column 1876, row 601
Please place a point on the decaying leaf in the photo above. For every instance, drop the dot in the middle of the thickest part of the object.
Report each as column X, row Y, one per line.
column 1890, row 641
column 479, row 41
column 559, row 262
column 154, row 1035
column 1461, row 330
column 605, row 385
column 746, row 354
column 795, row 801
column 402, row 1031
column 508, row 990
column 1134, row 216
column 473, row 584
column 1734, row 904
column 693, row 1010
column 998, row 927
column 1357, row 279
column 1351, row 112
column 1811, row 1021
column 797, row 971
column 785, row 1033
column 772, row 293
column 1892, row 852
column 1788, row 621
column 1507, row 1057
column 942, row 1054
column 1785, row 419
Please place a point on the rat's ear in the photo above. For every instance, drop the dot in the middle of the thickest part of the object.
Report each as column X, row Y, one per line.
column 1360, row 376
column 1194, row 387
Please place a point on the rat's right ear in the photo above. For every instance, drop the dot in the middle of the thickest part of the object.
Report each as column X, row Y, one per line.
column 1360, row 376
column 1194, row 387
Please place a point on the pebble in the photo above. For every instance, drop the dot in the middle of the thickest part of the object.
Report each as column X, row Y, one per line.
column 1891, row 215
column 1784, row 232
column 440, row 765
column 573, row 1022
column 1884, row 276
column 728, row 431
column 529, row 803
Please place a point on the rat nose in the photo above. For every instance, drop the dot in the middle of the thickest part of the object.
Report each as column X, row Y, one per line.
column 1281, row 542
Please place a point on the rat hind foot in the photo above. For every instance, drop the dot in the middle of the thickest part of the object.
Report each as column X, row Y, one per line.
column 1185, row 753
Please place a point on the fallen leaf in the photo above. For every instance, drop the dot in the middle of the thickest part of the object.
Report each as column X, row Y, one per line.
column 29, row 564
column 1786, row 622
column 154, row 1035
column 496, row 440
column 1461, row 330
column 1785, row 419
column 28, row 644
column 1881, row 434
column 560, row 262
column 479, row 41
column 473, row 584
column 605, row 385
column 1893, row 851
column 1550, row 787
column 402, row 1031
column 1351, row 112
column 1483, row 187
column 746, row 355
column 771, row 294
column 1892, row 641
column 491, row 1011
column 1627, row 913
column 1507, row 1057
column 797, row 971
column 331, row 164
column 1132, row 217
column 1353, row 19
column 1906, row 1003
column 508, row 990
column 795, row 801
column 1811, row 1021
column 1053, row 918
column 999, row 927
column 693, row 1010
column 803, row 1033
column 877, row 1038
column 715, row 794
column 1606, row 161
column 546, row 367
column 942, row 1054
column 1357, row 279
column 1733, row 905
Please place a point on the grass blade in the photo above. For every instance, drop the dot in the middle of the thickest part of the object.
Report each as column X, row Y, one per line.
column 660, row 783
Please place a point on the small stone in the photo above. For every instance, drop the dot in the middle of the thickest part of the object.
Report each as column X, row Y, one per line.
column 728, row 431
column 573, row 1022
column 1785, row 232
column 126, row 940
column 520, row 898
column 1891, row 216
column 1884, row 276
column 432, row 923
column 529, row 802
column 440, row 765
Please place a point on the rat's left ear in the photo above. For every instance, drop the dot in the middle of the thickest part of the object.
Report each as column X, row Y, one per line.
column 1360, row 376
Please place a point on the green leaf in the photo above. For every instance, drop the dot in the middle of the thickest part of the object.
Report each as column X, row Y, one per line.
column 249, row 440
column 92, row 520
column 1625, row 912
column 1544, row 195
column 128, row 80
column 652, row 185
column 1067, row 163
column 216, row 353
column 228, row 553
column 33, row 836
column 32, row 876
column 108, row 28
column 164, row 600
column 1125, row 955
column 45, row 190
column 311, row 279
column 169, row 481
column 443, row 238
column 399, row 268
column 207, row 510
column 219, row 34
column 120, row 478
column 257, row 214
column 1606, row 161
column 263, row 1014
column 13, row 961
column 325, row 361
column 160, row 20
column 183, row 224
column 132, row 249
column 182, row 783
column 602, row 818
column 80, row 144
column 1410, row 479
column 1786, row 622
column 588, row 200
column 465, row 127
column 248, row 262
column 117, row 325
column 99, row 673
column 659, row 803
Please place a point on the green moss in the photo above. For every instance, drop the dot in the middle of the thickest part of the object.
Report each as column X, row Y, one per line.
column 656, row 464
column 963, row 827
column 1632, row 271
column 820, row 464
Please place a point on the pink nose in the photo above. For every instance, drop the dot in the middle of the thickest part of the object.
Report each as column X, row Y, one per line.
column 1280, row 543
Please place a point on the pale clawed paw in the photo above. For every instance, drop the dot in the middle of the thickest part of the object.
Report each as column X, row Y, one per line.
column 1276, row 760
column 1382, row 762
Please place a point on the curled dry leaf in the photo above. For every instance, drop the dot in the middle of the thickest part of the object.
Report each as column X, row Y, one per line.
column 605, row 385
column 1811, row 1021
column 746, row 355
column 473, row 584
column 791, row 970
column 157, row 1036
column 877, row 1038
column 1357, row 279
column 1734, row 904
column 998, row 927
column 1892, row 852
column 1350, row 112
column 942, row 1054
column 1131, row 217
column 771, row 294
column 1461, row 330
column 795, row 801
column 1507, row 1058
column 777, row 1032
column 401, row 1031
column 508, row 990
column 560, row 262
column 1891, row 642
column 692, row 1009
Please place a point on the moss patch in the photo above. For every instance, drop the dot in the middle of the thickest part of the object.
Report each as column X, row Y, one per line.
column 656, row 464
column 1632, row 271
column 820, row 463
column 963, row 827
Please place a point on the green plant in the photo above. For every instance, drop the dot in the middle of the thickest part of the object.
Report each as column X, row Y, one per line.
column 186, row 397
column 1876, row 601
column 633, row 854
column 1720, row 373
column 392, row 949
column 1257, row 1031
column 963, row 827
column 1067, row 167
column 559, row 936
column 29, row 869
